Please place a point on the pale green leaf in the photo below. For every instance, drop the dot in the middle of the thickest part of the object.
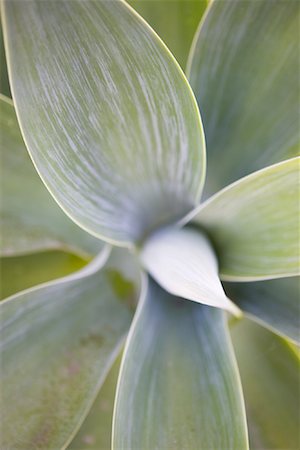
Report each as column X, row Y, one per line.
column 107, row 115
column 178, row 385
column 58, row 342
column 254, row 224
column 269, row 370
column 183, row 262
column 175, row 21
column 95, row 432
column 244, row 69
column 22, row 272
column 274, row 304
column 30, row 219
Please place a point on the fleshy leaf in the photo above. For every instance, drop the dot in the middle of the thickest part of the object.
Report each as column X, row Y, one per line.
column 58, row 342
column 244, row 70
column 269, row 370
column 107, row 115
column 254, row 224
column 22, row 272
column 95, row 432
column 272, row 303
column 30, row 219
column 175, row 21
column 178, row 385
column 183, row 262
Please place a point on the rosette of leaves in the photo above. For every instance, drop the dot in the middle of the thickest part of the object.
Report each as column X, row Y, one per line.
column 114, row 131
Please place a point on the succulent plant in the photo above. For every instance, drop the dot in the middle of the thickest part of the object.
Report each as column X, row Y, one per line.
column 208, row 271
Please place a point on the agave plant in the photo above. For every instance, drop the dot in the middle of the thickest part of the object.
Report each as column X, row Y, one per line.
column 114, row 131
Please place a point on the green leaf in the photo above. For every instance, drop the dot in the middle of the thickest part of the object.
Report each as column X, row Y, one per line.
column 269, row 370
column 30, row 219
column 254, row 224
column 4, row 84
column 183, row 262
column 178, row 386
column 175, row 21
column 22, row 272
column 107, row 115
column 58, row 342
column 244, row 70
column 95, row 432
column 274, row 304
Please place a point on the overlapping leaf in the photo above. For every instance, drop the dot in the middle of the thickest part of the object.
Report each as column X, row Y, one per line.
column 244, row 70
column 30, row 220
column 254, row 224
column 273, row 303
column 175, row 21
column 270, row 376
column 22, row 272
column 58, row 342
column 95, row 432
column 107, row 115
column 178, row 385
column 184, row 263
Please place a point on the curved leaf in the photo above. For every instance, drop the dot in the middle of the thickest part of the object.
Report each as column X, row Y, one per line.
column 254, row 224
column 244, row 70
column 270, row 377
column 175, row 21
column 178, row 385
column 183, row 262
column 272, row 303
column 107, row 115
column 30, row 219
column 58, row 342
column 22, row 272
column 95, row 432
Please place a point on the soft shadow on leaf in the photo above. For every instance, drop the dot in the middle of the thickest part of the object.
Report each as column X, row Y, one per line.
column 269, row 370
column 122, row 147
column 254, row 224
column 244, row 69
column 178, row 381
column 274, row 304
column 4, row 83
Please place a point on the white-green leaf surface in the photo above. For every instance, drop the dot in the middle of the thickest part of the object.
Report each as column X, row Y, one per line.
column 269, row 369
column 107, row 115
column 58, row 342
column 254, row 224
column 178, row 386
column 30, row 220
column 183, row 262
column 244, row 69
column 274, row 304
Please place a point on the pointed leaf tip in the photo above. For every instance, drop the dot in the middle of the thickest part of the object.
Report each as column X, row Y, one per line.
column 107, row 114
column 178, row 381
column 254, row 224
column 183, row 262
